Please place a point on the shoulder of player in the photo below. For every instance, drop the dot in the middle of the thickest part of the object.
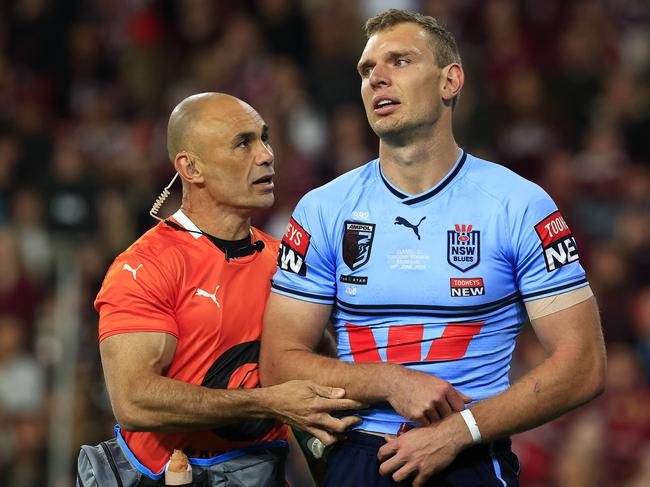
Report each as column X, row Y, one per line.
column 157, row 246
column 341, row 188
column 503, row 184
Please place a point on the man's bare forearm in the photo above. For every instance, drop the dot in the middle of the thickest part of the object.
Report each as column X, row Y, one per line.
column 562, row 382
column 293, row 331
column 144, row 399
column 163, row 404
column 369, row 382
column 546, row 392
column 573, row 374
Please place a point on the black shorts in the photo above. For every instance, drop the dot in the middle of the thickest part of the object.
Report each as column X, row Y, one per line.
column 354, row 463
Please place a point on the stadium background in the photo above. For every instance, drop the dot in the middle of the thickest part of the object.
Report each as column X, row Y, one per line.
column 557, row 90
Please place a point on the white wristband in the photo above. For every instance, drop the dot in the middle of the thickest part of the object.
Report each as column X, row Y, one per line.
column 471, row 425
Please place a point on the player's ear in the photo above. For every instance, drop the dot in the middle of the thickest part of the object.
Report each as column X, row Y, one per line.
column 452, row 80
column 187, row 165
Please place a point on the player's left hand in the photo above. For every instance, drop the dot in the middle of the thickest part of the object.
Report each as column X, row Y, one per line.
column 421, row 452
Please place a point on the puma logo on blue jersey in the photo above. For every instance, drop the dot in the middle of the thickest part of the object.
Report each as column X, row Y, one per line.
column 403, row 221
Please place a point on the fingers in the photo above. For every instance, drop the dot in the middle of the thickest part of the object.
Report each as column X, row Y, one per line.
column 457, row 401
column 391, row 461
column 334, row 398
column 340, row 404
column 402, row 470
column 405, row 472
column 421, row 479
column 432, row 405
column 329, row 392
column 329, row 429
column 387, row 450
column 336, row 425
column 443, row 408
column 350, row 421
column 425, row 418
column 431, row 417
column 325, row 437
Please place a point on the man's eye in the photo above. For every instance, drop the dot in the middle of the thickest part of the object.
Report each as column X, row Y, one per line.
column 402, row 62
column 243, row 144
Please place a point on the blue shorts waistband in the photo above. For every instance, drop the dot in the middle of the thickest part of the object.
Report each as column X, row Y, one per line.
column 199, row 462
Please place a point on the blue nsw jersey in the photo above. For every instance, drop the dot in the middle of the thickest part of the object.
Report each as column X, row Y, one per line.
column 434, row 281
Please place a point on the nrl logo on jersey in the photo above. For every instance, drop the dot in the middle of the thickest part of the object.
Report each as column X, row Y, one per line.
column 463, row 247
column 357, row 243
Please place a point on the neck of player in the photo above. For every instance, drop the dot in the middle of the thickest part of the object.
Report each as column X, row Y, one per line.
column 421, row 162
column 223, row 222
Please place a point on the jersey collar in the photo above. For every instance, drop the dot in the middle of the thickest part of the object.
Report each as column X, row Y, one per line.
column 186, row 223
column 183, row 220
column 418, row 198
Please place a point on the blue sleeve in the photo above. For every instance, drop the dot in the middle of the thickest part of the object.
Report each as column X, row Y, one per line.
column 545, row 252
column 306, row 263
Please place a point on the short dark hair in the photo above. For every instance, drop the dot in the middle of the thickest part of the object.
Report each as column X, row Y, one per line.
column 443, row 42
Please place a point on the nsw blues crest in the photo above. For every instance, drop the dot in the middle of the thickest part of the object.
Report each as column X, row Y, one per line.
column 463, row 247
column 357, row 243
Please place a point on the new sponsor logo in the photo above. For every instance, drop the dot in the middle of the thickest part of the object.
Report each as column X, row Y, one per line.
column 463, row 247
column 558, row 243
column 293, row 249
column 462, row 287
column 357, row 243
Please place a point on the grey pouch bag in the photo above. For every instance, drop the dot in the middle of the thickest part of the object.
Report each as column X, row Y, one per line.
column 105, row 465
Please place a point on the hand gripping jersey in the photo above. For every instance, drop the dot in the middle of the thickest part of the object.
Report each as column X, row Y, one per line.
column 434, row 281
column 177, row 282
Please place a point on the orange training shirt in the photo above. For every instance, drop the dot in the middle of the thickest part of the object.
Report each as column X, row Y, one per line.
column 176, row 282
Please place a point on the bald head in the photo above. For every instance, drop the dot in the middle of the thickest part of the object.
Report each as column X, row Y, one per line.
column 185, row 120
column 220, row 147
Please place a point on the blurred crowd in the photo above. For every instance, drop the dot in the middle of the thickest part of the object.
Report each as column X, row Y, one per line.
column 557, row 90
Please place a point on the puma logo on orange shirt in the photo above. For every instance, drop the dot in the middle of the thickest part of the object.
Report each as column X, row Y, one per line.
column 127, row 267
column 213, row 296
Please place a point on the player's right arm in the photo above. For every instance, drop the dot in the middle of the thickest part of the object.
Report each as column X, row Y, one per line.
column 143, row 399
column 293, row 329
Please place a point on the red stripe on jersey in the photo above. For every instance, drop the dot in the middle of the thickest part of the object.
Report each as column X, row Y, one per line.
column 362, row 343
column 405, row 343
column 454, row 341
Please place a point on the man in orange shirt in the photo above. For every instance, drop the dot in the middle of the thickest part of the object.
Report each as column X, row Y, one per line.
column 181, row 318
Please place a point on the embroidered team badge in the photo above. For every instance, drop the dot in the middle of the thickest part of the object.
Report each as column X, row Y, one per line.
column 463, row 247
column 357, row 243
column 558, row 243
column 293, row 249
